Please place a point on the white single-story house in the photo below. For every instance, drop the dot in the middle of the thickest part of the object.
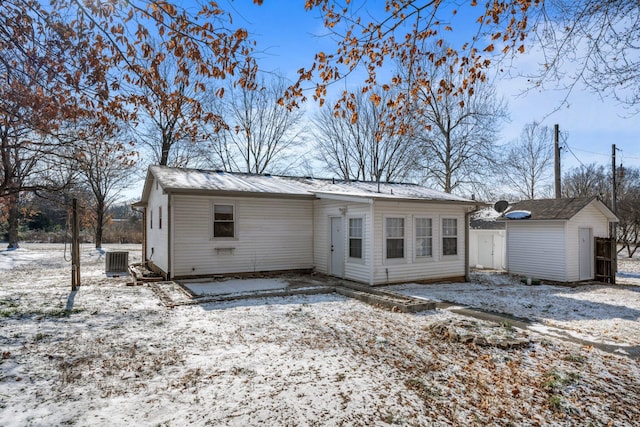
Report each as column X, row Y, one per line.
column 205, row 223
column 554, row 239
column 487, row 240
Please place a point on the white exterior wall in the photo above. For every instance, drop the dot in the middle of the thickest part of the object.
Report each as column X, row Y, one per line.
column 354, row 269
column 411, row 268
column 537, row 249
column 157, row 238
column 589, row 217
column 499, row 250
column 270, row 235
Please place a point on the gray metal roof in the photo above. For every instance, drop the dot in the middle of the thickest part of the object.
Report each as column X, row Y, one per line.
column 180, row 180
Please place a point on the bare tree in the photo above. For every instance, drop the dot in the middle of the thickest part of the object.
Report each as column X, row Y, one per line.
column 173, row 120
column 106, row 169
column 628, row 210
column 586, row 180
column 364, row 146
column 259, row 132
column 457, row 130
column 527, row 162
column 592, row 41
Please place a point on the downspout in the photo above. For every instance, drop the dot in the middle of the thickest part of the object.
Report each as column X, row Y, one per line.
column 371, row 243
column 144, row 237
column 467, row 216
column 169, row 247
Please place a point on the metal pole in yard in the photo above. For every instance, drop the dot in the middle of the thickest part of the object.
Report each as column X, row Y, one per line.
column 75, row 246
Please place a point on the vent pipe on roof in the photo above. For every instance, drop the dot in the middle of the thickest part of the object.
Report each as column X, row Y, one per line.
column 556, row 145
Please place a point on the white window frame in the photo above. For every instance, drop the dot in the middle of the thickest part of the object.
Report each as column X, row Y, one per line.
column 361, row 238
column 423, row 258
column 444, row 236
column 399, row 260
column 213, row 221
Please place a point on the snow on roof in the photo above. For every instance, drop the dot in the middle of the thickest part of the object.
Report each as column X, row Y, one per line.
column 186, row 180
column 485, row 219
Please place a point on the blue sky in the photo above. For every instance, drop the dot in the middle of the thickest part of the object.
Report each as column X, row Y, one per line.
column 288, row 37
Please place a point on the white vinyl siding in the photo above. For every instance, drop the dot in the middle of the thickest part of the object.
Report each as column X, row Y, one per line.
column 589, row 217
column 357, row 269
column 412, row 268
column 270, row 235
column 157, row 238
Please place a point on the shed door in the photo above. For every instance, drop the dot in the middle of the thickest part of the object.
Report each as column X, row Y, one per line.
column 585, row 253
column 485, row 250
column 337, row 247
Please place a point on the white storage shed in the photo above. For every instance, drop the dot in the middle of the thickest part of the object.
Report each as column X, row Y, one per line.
column 554, row 239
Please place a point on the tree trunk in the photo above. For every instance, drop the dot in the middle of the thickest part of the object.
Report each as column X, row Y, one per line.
column 99, row 224
column 13, row 222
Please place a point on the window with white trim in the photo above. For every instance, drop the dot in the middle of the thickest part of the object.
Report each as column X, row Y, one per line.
column 449, row 236
column 223, row 221
column 424, row 237
column 394, row 234
column 355, row 237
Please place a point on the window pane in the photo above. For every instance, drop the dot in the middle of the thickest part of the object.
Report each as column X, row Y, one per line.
column 223, row 212
column 423, row 227
column 449, row 246
column 449, row 227
column 223, row 229
column 395, row 248
column 355, row 248
column 423, row 246
column 395, row 227
column 355, row 227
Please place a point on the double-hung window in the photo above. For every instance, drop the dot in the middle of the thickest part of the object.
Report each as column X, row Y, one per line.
column 223, row 221
column 449, row 236
column 394, row 237
column 424, row 237
column 355, row 238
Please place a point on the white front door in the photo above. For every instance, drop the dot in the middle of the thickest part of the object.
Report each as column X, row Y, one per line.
column 586, row 256
column 485, row 250
column 337, row 246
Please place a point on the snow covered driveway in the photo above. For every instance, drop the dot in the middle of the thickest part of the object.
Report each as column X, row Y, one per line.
column 121, row 358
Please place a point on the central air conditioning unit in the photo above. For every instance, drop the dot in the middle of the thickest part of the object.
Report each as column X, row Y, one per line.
column 117, row 264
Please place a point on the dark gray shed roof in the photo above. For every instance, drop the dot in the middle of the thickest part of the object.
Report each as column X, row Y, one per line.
column 556, row 209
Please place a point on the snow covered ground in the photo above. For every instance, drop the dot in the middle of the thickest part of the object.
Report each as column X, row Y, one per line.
column 120, row 357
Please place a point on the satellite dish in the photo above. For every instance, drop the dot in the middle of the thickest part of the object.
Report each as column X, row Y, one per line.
column 501, row 206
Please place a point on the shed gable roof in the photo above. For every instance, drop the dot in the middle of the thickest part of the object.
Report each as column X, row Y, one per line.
column 181, row 180
column 557, row 209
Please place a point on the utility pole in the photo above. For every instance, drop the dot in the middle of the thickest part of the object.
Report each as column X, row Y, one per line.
column 613, row 230
column 556, row 144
